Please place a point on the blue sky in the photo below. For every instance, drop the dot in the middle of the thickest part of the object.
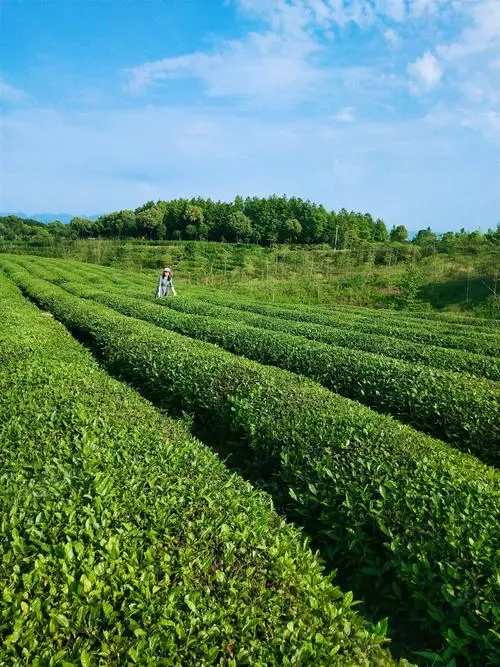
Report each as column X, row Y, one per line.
column 386, row 106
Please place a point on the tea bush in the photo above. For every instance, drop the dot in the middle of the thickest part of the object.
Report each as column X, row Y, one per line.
column 438, row 357
column 410, row 518
column 125, row 541
column 480, row 343
column 463, row 410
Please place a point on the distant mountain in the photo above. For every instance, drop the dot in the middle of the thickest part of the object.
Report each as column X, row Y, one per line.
column 49, row 217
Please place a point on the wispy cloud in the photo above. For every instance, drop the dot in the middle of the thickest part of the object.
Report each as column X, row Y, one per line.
column 292, row 51
column 392, row 38
column 482, row 35
column 264, row 64
column 82, row 162
column 9, row 93
column 276, row 61
column 286, row 56
column 426, row 72
column 345, row 115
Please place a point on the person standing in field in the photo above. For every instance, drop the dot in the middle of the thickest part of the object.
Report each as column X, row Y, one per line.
column 166, row 283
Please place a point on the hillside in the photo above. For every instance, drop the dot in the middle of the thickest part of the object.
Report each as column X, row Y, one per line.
column 376, row 275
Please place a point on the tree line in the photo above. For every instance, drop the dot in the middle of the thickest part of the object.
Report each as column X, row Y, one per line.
column 260, row 220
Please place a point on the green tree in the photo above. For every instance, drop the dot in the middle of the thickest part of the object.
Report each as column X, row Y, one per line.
column 290, row 230
column 149, row 220
column 425, row 236
column 447, row 242
column 191, row 231
column 409, row 286
column 427, row 240
column 493, row 235
column 41, row 238
column 203, row 231
column 239, row 226
column 380, row 232
column 128, row 223
column 58, row 230
column 399, row 234
column 365, row 226
column 82, row 227
column 193, row 214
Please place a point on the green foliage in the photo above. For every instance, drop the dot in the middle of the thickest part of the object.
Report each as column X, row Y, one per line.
column 442, row 317
column 125, row 541
column 41, row 238
column 149, row 221
column 399, row 234
column 409, row 286
column 399, row 513
column 380, row 233
column 191, row 231
column 365, row 275
column 439, row 334
column 451, row 406
column 290, row 230
column 190, row 250
column 82, row 227
column 264, row 221
column 344, row 335
column 239, row 226
column 193, row 215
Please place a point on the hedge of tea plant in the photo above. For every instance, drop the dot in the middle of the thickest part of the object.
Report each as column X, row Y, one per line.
column 447, row 323
column 452, row 406
column 438, row 357
column 479, row 343
column 396, row 321
column 383, row 317
column 409, row 518
column 446, row 318
column 453, row 324
column 125, row 541
column 462, row 410
column 431, row 355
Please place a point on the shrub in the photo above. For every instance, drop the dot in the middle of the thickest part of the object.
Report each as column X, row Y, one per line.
column 404, row 515
column 433, row 333
column 124, row 540
column 452, row 406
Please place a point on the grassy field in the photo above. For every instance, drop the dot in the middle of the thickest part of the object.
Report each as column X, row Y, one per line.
column 375, row 431
column 382, row 277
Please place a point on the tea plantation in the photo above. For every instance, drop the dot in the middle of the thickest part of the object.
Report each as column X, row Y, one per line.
column 124, row 539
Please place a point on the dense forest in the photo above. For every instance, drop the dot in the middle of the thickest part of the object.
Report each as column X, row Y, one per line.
column 264, row 221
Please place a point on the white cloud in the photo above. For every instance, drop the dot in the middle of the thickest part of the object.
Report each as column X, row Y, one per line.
column 345, row 115
column 425, row 71
column 421, row 7
column 292, row 52
column 394, row 9
column 405, row 171
column 482, row 34
column 285, row 57
column 264, row 64
column 9, row 93
column 392, row 38
column 472, row 57
column 275, row 62
column 484, row 123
